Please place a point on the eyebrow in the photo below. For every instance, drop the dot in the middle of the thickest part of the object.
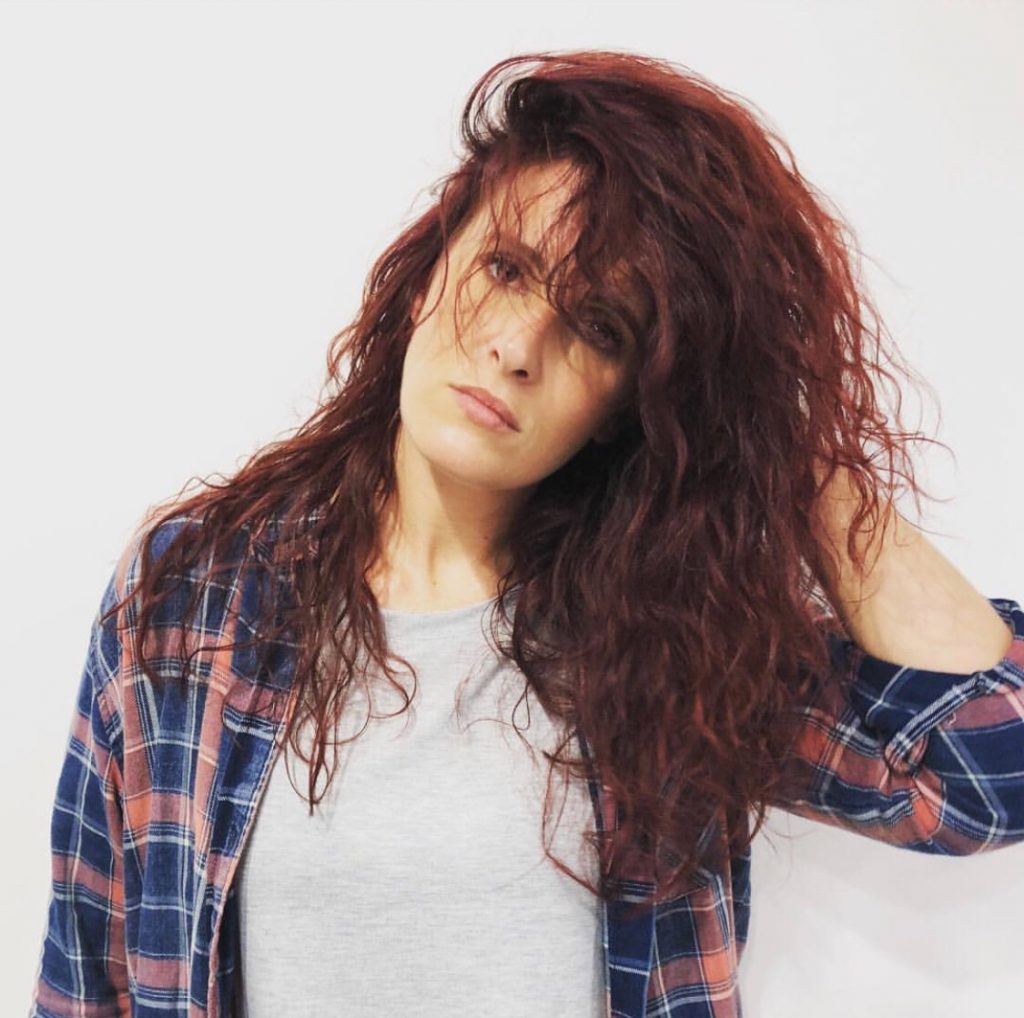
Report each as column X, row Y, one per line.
column 531, row 254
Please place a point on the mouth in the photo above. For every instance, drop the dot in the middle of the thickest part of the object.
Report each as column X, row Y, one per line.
column 484, row 408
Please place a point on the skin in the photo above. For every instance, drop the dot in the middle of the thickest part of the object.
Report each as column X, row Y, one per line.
column 459, row 483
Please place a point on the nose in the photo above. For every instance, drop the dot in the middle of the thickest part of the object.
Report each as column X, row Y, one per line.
column 521, row 338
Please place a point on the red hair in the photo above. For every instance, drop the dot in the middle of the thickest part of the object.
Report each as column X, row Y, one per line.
column 671, row 590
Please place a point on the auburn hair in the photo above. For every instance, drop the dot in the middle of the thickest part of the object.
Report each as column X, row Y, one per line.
column 671, row 591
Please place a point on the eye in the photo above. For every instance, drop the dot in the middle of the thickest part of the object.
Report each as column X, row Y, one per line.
column 608, row 338
column 599, row 332
column 504, row 260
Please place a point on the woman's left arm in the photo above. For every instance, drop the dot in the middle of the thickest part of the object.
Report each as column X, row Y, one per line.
column 915, row 735
column 911, row 604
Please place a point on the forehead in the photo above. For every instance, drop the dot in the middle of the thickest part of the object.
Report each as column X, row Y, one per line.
column 527, row 205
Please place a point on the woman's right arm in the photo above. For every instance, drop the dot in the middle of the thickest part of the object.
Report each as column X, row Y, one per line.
column 83, row 966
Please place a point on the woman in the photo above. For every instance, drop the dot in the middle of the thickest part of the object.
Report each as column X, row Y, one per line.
column 600, row 441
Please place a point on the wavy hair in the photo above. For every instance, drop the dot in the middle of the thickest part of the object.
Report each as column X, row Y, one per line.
column 671, row 591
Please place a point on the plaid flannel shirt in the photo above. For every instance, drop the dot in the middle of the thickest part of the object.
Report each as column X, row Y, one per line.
column 158, row 791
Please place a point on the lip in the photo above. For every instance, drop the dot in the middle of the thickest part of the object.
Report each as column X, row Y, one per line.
column 491, row 401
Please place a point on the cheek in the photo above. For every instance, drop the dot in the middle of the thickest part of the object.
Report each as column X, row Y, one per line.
column 574, row 411
column 592, row 386
column 423, row 356
column 575, row 417
column 562, row 428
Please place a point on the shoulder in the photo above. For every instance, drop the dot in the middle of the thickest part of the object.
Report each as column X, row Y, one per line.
column 151, row 540
column 246, row 567
column 187, row 604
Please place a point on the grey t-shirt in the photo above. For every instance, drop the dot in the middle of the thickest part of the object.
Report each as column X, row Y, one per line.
column 419, row 887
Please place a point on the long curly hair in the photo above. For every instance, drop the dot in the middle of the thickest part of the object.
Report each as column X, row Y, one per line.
column 671, row 589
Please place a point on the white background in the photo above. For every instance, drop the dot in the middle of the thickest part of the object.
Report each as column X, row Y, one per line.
column 190, row 197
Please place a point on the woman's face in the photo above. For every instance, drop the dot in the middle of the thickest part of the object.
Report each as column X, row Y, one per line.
column 561, row 386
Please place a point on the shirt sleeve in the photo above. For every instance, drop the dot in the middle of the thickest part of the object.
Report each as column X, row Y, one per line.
column 928, row 761
column 83, row 968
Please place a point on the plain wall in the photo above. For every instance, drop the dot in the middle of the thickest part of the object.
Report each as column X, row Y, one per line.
column 192, row 194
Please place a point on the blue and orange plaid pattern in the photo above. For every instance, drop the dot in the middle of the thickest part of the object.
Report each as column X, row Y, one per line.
column 158, row 790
